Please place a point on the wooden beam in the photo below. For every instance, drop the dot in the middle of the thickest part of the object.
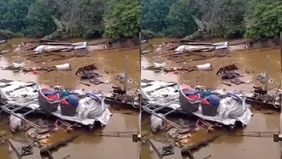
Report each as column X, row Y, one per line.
column 14, row 148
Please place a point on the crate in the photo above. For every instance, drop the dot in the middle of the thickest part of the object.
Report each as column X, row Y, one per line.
column 47, row 105
column 68, row 110
column 209, row 110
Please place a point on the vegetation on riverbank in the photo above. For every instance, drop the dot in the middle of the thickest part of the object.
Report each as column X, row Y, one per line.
column 71, row 18
column 256, row 19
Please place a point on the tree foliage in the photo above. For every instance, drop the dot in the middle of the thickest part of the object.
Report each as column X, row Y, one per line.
column 179, row 20
column 154, row 13
column 227, row 18
column 81, row 18
column 264, row 19
column 122, row 19
column 38, row 20
column 71, row 18
column 12, row 14
column 214, row 18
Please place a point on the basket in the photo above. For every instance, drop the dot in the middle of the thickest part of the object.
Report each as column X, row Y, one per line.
column 68, row 110
column 209, row 110
column 186, row 104
column 45, row 104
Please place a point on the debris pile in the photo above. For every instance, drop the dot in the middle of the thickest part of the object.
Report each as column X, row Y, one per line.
column 210, row 111
column 71, row 111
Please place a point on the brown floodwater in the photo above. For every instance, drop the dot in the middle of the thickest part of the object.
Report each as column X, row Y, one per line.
column 88, row 144
column 226, row 146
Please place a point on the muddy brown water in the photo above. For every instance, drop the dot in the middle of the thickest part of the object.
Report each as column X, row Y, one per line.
column 88, row 144
column 224, row 147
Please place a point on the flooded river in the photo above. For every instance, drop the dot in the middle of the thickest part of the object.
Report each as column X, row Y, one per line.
column 251, row 63
column 89, row 144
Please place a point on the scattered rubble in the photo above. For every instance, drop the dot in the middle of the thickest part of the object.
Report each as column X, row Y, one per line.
column 162, row 99
column 204, row 67
column 87, row 72
column 3, row 41
column 16, row 124
column 63, row 67
column 157, row 123
column 23, row 100
column 228, row 72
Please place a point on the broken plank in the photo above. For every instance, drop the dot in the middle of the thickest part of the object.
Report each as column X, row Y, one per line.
column 86, row 84
column 65, row 139
column 196, row 144
column 14, row 148
column 225, row 83
column 155, row 148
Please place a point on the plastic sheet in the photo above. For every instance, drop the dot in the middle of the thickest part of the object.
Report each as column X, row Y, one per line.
column 157, row 123
column 90, row 108
column 16, row 123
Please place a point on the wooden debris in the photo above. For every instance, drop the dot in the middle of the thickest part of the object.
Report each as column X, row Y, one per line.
column 167, row 150
column 187, row 152
column 91, row 67
column 26, row 150
column 55, row 144
column 207, row 157
column 66, row 157
column 225, row 83
column 14, row 148
column 155, row 148
column 86, row 84
column 205, row 125
column 237, row 81
column 196, row 144
column 232, row 67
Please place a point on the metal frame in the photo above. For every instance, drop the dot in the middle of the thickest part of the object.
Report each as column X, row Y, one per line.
column 152, row 109
column 11, row 109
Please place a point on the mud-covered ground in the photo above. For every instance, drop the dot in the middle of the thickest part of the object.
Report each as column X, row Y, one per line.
column 251, row 62
column 89, row 143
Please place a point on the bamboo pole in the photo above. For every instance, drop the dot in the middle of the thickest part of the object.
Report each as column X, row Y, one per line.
column 140, row 110
column 267, row 73
column 280, row 128
column 125, row 74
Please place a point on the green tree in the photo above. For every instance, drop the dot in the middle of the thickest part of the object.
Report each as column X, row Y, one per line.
column 81, row 18
column 122, row 19
column 264, row 19
column 154, row 13
column 179, row 20
column 90, row 19
column 227, row 18
column 12, row 14
column 38, row 20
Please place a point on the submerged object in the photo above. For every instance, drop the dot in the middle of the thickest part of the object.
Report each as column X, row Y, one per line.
column 221, row 45
column 53, row 48
column 157, row 123
column 2, row 41
column 16, row 123
column 193, row 48
column 204, row 67
column 63, row 67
